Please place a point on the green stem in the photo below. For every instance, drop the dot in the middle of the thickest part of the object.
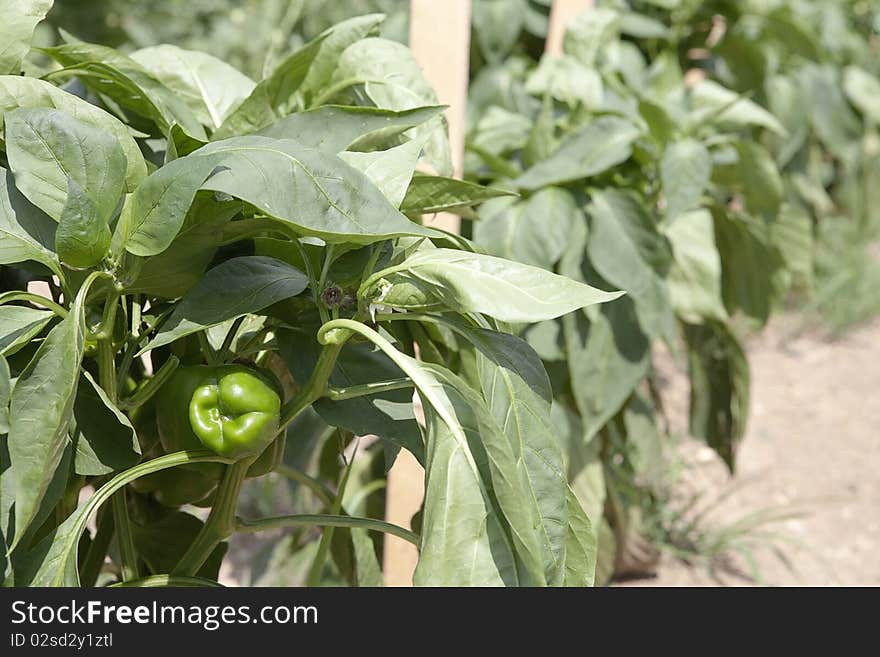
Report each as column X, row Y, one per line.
column 151, row 387
column 220, row 524
column 318, row 488
column 315, row 388
column 334, row 89
column 163, row 581
column 207, row 350
column 362, row 390
column 230, row 337
column 100, row 543
column 326, row 520
column 37, row 299
column 124, row 539
column 317, row 568
column 107, row 369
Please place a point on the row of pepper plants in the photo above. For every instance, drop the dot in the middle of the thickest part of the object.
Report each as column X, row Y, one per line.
column 691, row 154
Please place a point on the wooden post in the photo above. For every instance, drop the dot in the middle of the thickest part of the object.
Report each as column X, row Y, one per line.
column 440, row 39
column 561, row 14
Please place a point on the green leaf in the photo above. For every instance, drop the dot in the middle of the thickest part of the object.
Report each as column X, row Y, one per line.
column 720, row 379
column 497, row 25
column 20, row 324
column 749, row 261
column 608, row 355
column 5, row 393
column 429, row 194
column 354, row 128
column 73, row 172
column 863, row 90
column 627, row 250
column 714, row 102
column 567, row 80
column 105, row 440
column 760, row 179
column 324, row 196
column 232, row 289
column 792, row 235
column 211, row 88
column 390, row 171
column 24, row 230
column 263, row 106
column 16, row 91
column 40, row 410
column 517, row 392
column 327, row 61
column 580, row 545
column 684, row 173
column 393, row 80
column 535, row 232
column 589, row 32
column 598, row 146
column 20, row 17
column 472, row 282
column 694, row 280
column 107, row 71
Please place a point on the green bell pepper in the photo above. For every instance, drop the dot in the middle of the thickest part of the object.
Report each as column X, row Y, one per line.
column 232, row 410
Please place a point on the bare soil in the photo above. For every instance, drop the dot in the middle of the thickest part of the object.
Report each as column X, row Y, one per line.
column 812, row 451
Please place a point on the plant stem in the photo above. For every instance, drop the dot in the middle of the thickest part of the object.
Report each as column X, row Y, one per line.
column 207, row 350
column 362, row 390
column 94, row 559
column 319, row 489
column 317, row 568
column 37, row 299
column 124, row 539
column 220, row 524
column 327, row 520
column 230, row 337
column 152, row 385
column 107, row 369
column 315, row 388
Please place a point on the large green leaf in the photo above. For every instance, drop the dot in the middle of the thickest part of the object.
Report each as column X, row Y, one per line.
column 760, row 179
column 25, row 232
column 109, row 72
column 40, row 411
column 323, row 196
column 211, row 88
column 534, row 232
column 392, row 79
column 589, row 32
column 17, row 91
column 863, row 90
column 472, row 282
column 354, row 128
column 628, row 251
column 20, row 17
column 232, row 289
column 684, row 172
column 73, row 172
column 601, row 144
column 517, row 392
column 694, row 280
column 580, row 545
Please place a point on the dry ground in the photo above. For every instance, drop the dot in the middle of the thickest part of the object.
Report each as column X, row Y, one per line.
column 812, row 446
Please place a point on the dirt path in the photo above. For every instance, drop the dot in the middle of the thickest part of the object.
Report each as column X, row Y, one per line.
column 813, row 445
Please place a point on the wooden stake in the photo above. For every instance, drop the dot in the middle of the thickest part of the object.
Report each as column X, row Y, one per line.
column 560, row 16
column 440, row 39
